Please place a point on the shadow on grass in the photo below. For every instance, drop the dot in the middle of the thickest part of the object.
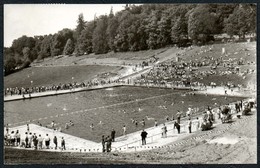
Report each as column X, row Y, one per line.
column 249, row 114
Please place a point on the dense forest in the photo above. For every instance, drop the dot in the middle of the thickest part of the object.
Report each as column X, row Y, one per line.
column 148, row 26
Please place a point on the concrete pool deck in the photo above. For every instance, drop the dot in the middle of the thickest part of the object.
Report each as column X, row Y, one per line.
column 208, row 91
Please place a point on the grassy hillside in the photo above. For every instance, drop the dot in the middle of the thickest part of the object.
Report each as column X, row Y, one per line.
column 233, row 51
column 52, row 71
column 118, row 58
column 46, row 76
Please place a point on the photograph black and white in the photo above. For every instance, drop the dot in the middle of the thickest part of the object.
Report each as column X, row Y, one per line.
column 130, row 83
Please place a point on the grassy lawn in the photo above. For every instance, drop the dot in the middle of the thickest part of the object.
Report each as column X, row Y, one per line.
column 117, row 58
column 137, row 55
column 233, row 50
column 114, row 108
column 47, row 76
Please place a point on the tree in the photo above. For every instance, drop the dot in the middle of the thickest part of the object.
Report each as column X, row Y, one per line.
column 56, row 44
column 201, row 24
column 26, row 54
column 164, row 29
column 179, row 31
column 152, row 30
column 121, row 38
column 133, row 34
column 80, row 27
column 45, row 47
column 141, row 32
column 85, row 39
column 252, row 12
column 69, row 47
column 59, row 41
column 222, row 12
column 27, row 57
column 38, row 43
column 242, row 21
column 9, row 65
column 99, row 41
column 111, row 31
column 9, row 61
column 20, row 43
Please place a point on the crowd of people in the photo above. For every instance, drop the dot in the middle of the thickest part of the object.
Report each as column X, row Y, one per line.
column 189, row 72
column 107, row 141
column 68, row 86
column 32, row 140
column 183, row 76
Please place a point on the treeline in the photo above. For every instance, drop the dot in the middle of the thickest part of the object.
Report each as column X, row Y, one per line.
column 143, row 27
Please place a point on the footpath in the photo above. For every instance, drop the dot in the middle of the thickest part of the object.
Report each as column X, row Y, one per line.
column 216, row 91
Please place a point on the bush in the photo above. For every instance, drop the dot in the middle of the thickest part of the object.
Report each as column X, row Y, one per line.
column 26, row 64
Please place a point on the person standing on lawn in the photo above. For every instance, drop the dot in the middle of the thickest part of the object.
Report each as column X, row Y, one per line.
column 92, row 127
column 109, row 143
column 63, row 144
column 219, row 112
column 30, row 137
column 7, row 129
column 40, row 140
column 136, row 123
column 55, row 141
column 35, row 142
column 177, row 126
column 143, row 123
column 113, row 133
column 26, row 140
column 198, row 124
column 164, row 131
column 18, row 138
column 124, row 130
column 178, row 115
column 155, row 123
column 144, row 135
column 47, row 141
column 189, row 125
column 52, row 124
column 103, row 143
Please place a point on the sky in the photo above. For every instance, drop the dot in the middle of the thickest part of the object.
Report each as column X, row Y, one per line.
column 43, row 19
